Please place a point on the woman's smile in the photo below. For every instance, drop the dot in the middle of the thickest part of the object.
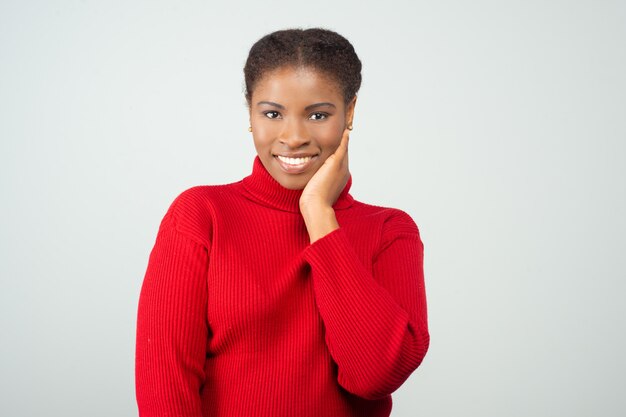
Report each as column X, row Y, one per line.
column 295, row 165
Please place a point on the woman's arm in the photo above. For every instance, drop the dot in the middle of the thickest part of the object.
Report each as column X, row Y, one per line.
column 376, row 322
column 172, row 329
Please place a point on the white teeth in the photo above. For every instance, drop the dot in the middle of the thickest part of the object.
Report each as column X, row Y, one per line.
column 294, row 161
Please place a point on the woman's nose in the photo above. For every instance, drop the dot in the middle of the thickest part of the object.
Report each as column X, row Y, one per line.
column 294, row 134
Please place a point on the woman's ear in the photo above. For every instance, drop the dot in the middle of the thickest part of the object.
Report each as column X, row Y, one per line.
column 350, row 111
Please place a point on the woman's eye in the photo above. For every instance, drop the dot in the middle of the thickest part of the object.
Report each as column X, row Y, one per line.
column 318, row 116
column 271, row 114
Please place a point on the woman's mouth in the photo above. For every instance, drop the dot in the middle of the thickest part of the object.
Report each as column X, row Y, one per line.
column 295, row 165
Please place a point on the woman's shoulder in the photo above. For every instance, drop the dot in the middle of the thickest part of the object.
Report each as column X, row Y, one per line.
column 388, row 223
column 201, row 197
column 392, row 219
column 192, row 211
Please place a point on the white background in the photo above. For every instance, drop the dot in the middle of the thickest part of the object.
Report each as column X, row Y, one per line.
column 498, row 125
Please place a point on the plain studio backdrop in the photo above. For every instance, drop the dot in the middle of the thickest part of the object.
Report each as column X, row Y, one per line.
column 499, row 126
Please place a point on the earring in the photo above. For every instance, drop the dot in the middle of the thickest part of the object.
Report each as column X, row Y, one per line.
column 349, row 127
column 250, row 129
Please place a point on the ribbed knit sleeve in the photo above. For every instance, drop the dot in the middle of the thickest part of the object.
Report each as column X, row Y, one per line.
column 375, row 322
column 172, row 329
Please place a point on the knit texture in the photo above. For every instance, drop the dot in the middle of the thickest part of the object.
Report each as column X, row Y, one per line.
column 240, row 315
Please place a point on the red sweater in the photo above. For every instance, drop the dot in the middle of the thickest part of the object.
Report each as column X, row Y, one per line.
column 240, row 315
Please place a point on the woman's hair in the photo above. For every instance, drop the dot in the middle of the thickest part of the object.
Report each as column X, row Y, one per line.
column 320, row 49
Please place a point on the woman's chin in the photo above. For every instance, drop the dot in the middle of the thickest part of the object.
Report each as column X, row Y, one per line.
column 293, row 183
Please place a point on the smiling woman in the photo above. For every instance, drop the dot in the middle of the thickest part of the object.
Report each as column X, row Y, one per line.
column 297, row 116
column 280, row 294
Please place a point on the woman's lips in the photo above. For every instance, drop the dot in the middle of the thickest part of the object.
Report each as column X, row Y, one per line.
column 295, row 165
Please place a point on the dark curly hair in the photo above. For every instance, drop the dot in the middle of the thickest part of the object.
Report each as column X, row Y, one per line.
column 321, row 49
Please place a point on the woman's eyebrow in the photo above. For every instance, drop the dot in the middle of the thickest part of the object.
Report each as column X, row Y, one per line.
column 309, row 107
column 271, row 103
column 313, row 106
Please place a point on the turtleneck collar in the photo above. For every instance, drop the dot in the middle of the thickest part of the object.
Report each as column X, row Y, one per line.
column 263, row 188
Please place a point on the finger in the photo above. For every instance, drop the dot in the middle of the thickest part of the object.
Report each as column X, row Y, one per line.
column 344, row 148
column 338, row 158
column 346, row 138
column 343, row 145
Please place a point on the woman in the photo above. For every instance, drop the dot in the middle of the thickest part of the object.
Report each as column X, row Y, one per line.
column 281, row 295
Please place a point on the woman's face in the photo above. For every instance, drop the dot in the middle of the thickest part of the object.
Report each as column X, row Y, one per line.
column 298, row 116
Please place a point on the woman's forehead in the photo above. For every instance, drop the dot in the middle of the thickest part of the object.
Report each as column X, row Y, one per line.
column 296, row 85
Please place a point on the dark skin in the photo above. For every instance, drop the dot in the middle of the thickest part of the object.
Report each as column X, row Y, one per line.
column 301, row 113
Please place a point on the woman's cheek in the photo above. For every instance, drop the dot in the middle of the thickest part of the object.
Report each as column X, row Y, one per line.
column 329, row 135
column 265, row 132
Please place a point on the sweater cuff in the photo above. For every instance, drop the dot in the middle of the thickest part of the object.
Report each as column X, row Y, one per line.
column 328, row 246
column 341, row 272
